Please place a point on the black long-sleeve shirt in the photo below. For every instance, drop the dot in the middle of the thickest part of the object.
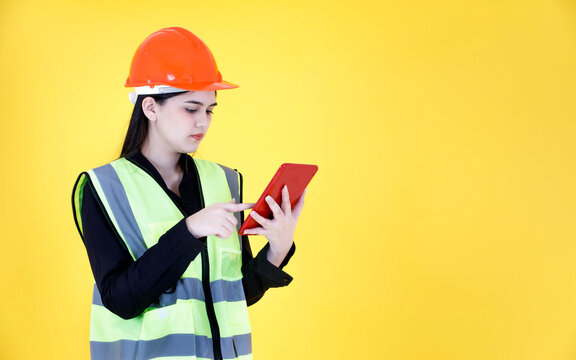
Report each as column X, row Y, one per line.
column 128, row 287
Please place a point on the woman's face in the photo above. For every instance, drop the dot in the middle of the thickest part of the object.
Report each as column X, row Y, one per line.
column 181, row 121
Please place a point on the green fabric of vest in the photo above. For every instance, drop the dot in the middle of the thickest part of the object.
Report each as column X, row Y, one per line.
column 176, row 326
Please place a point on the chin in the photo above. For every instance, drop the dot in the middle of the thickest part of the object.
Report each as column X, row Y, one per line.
column 190, row 149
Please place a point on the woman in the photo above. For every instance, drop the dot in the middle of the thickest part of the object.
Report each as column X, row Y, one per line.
column 173, row 277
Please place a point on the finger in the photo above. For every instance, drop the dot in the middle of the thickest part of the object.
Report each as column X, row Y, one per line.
column 226, row 230
column 255, row 231
column 276, row 210
column 224, row 234
column 259, row 219
column 231, row 207
column 299, row 205
column 286, row 208
column 231, row 219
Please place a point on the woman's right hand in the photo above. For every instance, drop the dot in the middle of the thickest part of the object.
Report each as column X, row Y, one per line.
column 216, row 219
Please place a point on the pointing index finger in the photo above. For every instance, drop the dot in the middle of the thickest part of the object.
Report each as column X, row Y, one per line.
column 238, row 207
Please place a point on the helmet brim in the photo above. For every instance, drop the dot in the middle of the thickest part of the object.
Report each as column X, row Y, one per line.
column 199, row 86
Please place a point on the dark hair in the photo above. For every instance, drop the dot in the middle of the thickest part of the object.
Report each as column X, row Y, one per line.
column 138, row 127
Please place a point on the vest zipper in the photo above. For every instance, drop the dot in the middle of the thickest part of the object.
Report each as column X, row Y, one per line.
column 214, row 329
column 210, row 306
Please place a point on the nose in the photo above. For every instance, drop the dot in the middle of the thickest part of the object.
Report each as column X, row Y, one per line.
column 202, row 121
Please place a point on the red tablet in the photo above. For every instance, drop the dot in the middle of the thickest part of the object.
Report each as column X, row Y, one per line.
column 295, row 176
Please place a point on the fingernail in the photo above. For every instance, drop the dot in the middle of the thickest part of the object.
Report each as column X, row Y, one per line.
column 285, row 187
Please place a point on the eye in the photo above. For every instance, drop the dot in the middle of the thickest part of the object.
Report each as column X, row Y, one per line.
column 191, row 110
column 210, row 112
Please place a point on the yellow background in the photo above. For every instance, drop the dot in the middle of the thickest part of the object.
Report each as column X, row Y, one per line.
column 440, row 226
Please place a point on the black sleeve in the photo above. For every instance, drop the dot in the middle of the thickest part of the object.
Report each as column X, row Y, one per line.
column 259, row 274
column 128, row 287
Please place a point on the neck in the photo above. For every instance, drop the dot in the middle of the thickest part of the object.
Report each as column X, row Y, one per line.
column 166, row 162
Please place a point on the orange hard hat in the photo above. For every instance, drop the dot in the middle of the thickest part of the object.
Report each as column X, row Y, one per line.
column 173, row 59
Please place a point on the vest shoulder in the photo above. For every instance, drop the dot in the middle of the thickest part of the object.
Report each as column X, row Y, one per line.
column 208, row 163
column 117, row 161
column 87, row 173
column 104, row 171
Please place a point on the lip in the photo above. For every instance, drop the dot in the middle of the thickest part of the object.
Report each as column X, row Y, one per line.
column 198, row 136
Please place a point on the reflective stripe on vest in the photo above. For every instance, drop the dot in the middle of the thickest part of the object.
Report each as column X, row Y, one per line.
column 176, row 325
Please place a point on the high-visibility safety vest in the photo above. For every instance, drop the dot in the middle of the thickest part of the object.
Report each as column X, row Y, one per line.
column 208, row 301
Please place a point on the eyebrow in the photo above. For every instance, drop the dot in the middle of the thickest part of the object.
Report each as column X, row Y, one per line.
column 199, row 103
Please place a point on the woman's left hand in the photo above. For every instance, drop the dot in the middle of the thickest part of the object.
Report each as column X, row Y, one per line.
column 280, row 230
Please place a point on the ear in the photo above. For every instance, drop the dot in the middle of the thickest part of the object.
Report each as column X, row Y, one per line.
column 149, row 107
